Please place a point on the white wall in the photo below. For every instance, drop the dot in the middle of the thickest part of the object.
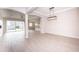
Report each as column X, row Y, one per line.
column 42, row 24
column 67, row 24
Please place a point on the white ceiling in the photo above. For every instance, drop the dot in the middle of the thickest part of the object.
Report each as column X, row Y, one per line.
column 23, row 9
column 20, row 9
column 40, row 9
column 11, row 14
column 43, row 11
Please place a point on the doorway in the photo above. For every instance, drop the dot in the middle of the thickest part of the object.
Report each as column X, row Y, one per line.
column 34, row 23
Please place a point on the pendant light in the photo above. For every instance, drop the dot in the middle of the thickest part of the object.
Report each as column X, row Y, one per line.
column 52, row 16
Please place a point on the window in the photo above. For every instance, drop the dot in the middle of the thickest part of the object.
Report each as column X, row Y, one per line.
column 30, row 24
column 15, row 26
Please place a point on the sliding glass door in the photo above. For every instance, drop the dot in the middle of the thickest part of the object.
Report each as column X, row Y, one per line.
column 15, row 26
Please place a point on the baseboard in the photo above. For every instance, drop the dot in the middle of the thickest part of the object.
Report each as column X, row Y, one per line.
column 63, row 35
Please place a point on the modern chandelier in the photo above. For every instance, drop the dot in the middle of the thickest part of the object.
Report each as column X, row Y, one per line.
column 51, row 15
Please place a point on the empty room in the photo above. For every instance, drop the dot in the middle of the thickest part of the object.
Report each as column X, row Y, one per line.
column 39, row 29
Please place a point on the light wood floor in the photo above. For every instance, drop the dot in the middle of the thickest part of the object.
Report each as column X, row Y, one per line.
column 51, row 43
column 38, row 42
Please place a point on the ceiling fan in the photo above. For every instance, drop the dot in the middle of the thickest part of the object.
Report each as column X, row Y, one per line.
column 51, row 15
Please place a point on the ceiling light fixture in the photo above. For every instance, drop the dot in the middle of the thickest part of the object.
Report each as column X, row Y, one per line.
column 51, row 15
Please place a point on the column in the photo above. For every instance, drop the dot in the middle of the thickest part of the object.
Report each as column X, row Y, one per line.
column 26, row 26
column 4, row 26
